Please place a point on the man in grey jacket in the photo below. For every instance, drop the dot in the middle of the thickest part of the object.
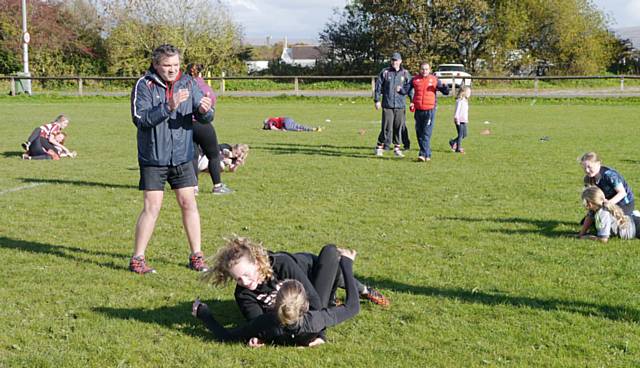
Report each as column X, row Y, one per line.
column 389, row 86
column 163, row 104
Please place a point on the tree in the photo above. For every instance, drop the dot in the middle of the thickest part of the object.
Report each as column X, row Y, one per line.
column 350, row 41
column 60, row 43
column 202, row 30
column 506, row 34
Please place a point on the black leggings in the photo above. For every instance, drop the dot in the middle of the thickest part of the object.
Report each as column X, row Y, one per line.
column 39, row 147
column 204, row 135
column 325, row 274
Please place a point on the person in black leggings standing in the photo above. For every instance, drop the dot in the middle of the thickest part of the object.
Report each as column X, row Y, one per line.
column 204, row 136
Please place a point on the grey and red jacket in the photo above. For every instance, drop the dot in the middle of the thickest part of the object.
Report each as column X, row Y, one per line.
column 388, row 80
column 165, row 138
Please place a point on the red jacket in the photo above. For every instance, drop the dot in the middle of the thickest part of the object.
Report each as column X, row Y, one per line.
column 424, row 91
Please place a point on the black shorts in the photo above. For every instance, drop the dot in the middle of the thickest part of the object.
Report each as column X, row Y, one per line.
column 155, row 177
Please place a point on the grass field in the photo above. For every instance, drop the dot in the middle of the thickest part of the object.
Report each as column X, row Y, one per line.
column 473, row 250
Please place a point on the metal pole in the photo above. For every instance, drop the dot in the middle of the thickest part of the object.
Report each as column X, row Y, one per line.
column 25, row 48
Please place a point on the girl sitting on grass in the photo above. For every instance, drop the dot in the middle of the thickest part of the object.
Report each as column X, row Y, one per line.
column 608, row 217
column 292, row 321
column 41, row 148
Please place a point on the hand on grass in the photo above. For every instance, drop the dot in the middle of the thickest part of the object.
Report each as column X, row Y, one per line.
column 194, row 307
column 255, row 342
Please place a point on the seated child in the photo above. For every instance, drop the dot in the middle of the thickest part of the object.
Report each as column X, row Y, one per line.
column 608, row 217
column 285, row 124
column 231, row 157
column 42, row 149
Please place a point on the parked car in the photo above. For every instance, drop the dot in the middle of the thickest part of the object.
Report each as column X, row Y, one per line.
column 451, row 74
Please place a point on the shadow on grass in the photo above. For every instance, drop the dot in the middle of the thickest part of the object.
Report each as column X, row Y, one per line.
column 78, row 182
column 547, row 228
column 178, row 317
column 66, row 252
column 12, row 154
column 321, row 150
column 612, row 312
column 631, row 161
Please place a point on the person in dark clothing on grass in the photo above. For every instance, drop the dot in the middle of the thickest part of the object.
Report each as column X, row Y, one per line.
column 258, row 274
column 292, row 321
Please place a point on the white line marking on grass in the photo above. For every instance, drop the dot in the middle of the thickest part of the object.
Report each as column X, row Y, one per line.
column 32, row 185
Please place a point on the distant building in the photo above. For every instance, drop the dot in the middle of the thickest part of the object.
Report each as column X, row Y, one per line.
column 300, row 55
column 304, row 55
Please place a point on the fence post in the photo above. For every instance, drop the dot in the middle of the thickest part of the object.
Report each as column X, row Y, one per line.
column 80, row 86
column 295, row 86
column 622, row 83
column 535, row 86
column 222, row 84
column 373, row 87
column 13, row 86
column 453, row 87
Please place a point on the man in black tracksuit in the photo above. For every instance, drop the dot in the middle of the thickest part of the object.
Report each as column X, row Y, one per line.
column 391, row 81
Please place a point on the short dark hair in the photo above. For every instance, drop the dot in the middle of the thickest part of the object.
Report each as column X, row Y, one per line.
column 164, row 51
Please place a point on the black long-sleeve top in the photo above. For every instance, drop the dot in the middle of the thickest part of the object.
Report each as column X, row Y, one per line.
column 254, row 303
column 267, row 327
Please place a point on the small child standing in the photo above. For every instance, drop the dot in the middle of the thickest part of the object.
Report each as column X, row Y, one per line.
column 461, row 118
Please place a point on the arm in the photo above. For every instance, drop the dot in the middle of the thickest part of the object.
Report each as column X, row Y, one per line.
column 586, row 224
column 378, row 90
column 202, row 104
column 256, row 328
column 443, row 88
column 143, row 112
column 620, row 194
column 247, row 303
column 456, row 115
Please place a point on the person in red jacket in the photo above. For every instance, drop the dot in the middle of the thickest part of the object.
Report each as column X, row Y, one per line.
column 422, row 91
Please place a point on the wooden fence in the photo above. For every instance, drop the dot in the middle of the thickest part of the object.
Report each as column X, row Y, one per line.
column 295, row 81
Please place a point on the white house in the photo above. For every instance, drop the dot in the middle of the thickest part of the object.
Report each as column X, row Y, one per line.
column 300, row 55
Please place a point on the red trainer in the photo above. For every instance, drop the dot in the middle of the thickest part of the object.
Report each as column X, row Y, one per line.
column 197, row 263
column 139, row 266
column 376, row 297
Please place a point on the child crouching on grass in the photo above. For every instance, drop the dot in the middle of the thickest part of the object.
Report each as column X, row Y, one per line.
column 461, row 118
column 609, row 219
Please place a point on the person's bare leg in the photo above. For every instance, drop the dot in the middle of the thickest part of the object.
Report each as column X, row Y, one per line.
column 190, row 216
column 147, row 220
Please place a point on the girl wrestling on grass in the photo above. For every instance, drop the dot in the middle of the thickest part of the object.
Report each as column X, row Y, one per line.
column 292, row 321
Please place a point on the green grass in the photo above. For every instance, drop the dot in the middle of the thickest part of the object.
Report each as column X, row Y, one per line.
column 473, row 250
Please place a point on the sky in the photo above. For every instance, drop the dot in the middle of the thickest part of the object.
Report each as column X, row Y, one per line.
column 304, row 19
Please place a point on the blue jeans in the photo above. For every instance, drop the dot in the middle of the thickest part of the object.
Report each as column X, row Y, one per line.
column 425, row 119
